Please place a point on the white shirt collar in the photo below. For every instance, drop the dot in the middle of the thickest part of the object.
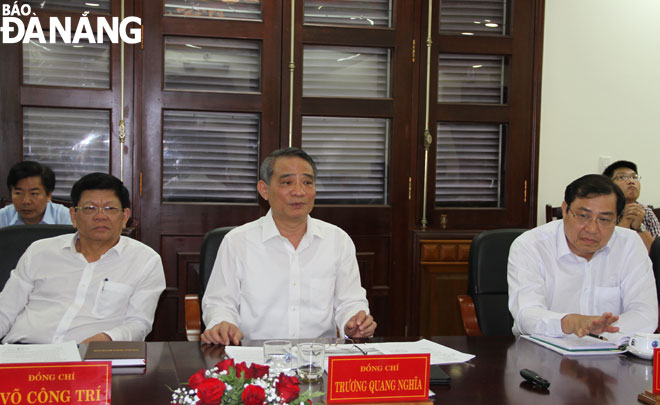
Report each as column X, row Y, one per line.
column 269, row 229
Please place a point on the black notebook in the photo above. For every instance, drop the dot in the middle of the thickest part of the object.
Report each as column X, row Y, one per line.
column 438, row 375
column 122, row 354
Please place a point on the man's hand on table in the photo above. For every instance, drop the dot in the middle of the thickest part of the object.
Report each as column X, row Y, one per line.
column 99, row 337
column 582, row 325
column 360, row 325
column 223, row 333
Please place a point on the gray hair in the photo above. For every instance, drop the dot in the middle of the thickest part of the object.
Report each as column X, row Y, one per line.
column 266, row 169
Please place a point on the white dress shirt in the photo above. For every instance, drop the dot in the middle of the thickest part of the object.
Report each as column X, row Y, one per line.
column 547, row 281
column 55, row 295
column 271, row 290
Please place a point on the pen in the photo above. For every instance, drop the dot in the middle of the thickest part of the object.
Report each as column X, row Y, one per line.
column 593, row 335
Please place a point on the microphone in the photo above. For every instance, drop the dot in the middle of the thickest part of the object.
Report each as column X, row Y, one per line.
column 534, row 378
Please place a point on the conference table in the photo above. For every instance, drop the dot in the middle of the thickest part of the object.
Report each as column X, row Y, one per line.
column 491, row 377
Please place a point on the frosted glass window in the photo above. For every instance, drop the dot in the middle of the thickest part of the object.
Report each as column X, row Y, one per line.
column 334, row 71
column 218, row 9
column 70, row 65
column 73, row 142
column 352, row 157
column 93, row 6
column 464, row 78
column 469, row 164
column 368, row 13
column 212, row 65
column 473, row 17
column 210, row 156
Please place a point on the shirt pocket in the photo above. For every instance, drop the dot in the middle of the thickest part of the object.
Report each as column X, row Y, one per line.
column 111, row 299
column 321, row 294
column 608, row 299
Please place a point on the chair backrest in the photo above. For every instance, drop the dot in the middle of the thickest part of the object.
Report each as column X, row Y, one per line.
column 16, row 239
column 654, row 253
column 487, row 285
column 208, row 254
column 552, row 213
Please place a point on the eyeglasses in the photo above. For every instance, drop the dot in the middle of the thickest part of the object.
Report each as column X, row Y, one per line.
column 93, row 210
column 346, row 347
column 626, row 177
column 584, row 219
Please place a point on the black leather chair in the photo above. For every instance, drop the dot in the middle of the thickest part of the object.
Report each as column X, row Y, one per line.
column 207, row 256
column 485, row 309
column 16, row 239
column 654, row 253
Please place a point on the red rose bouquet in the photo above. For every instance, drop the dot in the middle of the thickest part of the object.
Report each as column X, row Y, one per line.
column 228, row 384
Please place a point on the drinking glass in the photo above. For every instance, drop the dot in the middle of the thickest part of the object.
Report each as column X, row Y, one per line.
column 310, row 361
column 277, row 356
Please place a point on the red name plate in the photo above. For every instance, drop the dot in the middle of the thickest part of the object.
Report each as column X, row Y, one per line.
column 656, row 371
column 402, row 377
column 56, row 383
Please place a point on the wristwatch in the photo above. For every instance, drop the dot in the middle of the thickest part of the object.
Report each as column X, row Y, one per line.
column 642, row 228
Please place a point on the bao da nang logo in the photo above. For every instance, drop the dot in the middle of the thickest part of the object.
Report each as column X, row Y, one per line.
column 14, row 29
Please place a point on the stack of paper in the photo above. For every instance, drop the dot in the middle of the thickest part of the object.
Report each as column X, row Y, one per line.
column 39, row 353
column 439, row 354
column 574, row 346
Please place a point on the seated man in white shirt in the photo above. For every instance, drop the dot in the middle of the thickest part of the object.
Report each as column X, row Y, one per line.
column 31, row 186
column 285, row 275
column 89, row 286
column 582, row 274
column 636, row 216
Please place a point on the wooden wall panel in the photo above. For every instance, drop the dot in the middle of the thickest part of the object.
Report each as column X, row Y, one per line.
column 181, row 263
column 440, row 275
column 441, row 283
column 373, row 256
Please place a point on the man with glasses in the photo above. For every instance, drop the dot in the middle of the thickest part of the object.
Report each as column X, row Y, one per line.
column 94, row 285
column 582, row 274
column 636, row 216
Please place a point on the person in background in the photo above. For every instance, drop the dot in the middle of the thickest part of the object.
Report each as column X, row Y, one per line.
column 286, row 275
column 93, row 285
column 638, row 217
column 582, row 274
column 31, row 186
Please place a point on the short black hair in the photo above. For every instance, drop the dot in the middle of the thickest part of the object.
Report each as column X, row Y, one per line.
column 100, row 181
column 594, row 185
column 266, row 170
column 609, row 170
column 28, row 168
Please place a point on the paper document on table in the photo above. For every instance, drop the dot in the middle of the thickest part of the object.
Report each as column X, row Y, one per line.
column 248, row 354
column 439, row 354
column 39, row 353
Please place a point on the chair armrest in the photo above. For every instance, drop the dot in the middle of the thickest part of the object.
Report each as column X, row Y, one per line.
column 193, row 317
column 468, row 315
